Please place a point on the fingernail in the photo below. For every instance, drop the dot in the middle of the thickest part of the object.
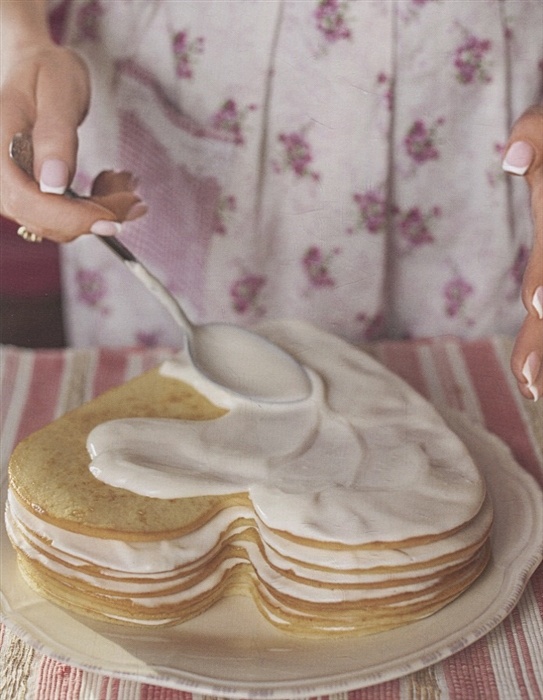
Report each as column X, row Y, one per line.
column 136, row 210
column 106, row 228
column 54, row 176
column 518, row 158
column 537, row 302
column 535, row 393
column 530, row 371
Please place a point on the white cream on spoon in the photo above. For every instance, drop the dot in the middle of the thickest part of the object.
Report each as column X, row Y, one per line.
column 237, row 359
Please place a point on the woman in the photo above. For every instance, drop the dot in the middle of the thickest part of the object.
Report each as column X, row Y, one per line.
column 334, row 161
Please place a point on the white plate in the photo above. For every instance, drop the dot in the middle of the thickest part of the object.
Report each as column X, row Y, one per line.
column 231, row 651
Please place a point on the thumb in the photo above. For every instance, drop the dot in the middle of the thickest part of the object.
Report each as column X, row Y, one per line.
column 62, row 100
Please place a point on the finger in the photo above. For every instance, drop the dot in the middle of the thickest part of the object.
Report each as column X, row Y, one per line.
column 126, row 206
column 524, row 156
column 532, row 286
column 62, row 219
column 524, row 149
column 527, row 358
column 62, row 102
column 110, row 181
column 532, row 283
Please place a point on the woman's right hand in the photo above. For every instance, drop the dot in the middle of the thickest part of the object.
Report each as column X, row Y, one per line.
column 45, row 91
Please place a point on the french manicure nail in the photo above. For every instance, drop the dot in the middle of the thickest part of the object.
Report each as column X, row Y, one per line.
column 537, row 301
column 530, row 371
column 106, row 228
column 534, row 392
column 54, row 176
column 518, row 158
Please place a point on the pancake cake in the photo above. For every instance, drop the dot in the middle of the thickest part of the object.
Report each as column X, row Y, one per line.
column 353, row 511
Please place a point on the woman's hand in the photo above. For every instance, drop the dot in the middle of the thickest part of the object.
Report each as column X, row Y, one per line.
column 45, row 91
column 524, row 156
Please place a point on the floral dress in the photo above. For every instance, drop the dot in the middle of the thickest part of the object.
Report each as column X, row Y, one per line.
column 331, row 160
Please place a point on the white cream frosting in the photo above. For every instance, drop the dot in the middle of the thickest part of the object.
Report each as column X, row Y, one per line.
column 127, row 568
column 159, row 559
column 363, row 459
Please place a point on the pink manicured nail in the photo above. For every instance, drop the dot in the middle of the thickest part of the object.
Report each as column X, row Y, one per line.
column 518, row 158
column 106, row 228
column 537, row 302
column 54, row 176
column 530, row 371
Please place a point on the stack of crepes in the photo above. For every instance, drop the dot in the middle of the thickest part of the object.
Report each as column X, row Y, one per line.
column 354, row 511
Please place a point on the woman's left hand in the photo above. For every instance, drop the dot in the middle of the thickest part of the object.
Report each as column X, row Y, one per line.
column 524, row 156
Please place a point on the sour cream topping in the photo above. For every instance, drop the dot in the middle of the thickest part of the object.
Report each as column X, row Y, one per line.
column 363, row 459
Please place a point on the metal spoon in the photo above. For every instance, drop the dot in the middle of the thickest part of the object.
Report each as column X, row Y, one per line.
column 240, row 361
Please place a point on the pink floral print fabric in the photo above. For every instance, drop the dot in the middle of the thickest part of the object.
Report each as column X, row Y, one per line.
column 332, row 160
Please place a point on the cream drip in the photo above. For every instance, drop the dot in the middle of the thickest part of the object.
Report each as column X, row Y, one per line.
column 157, row 560
column 363, row 459
column 268, row 445
column 127, row 568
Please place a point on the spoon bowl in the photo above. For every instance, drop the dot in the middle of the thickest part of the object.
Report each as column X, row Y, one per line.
column 235, row 358
column 247, row 364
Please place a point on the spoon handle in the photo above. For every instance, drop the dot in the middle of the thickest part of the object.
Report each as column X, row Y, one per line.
column 119, row 248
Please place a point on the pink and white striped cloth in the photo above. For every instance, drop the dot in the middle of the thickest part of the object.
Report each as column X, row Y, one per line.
column 473, row 377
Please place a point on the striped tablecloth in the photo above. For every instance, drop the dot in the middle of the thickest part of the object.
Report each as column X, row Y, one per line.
column 472, row 377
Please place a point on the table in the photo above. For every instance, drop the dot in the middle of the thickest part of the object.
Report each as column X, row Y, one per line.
column 469, row 376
